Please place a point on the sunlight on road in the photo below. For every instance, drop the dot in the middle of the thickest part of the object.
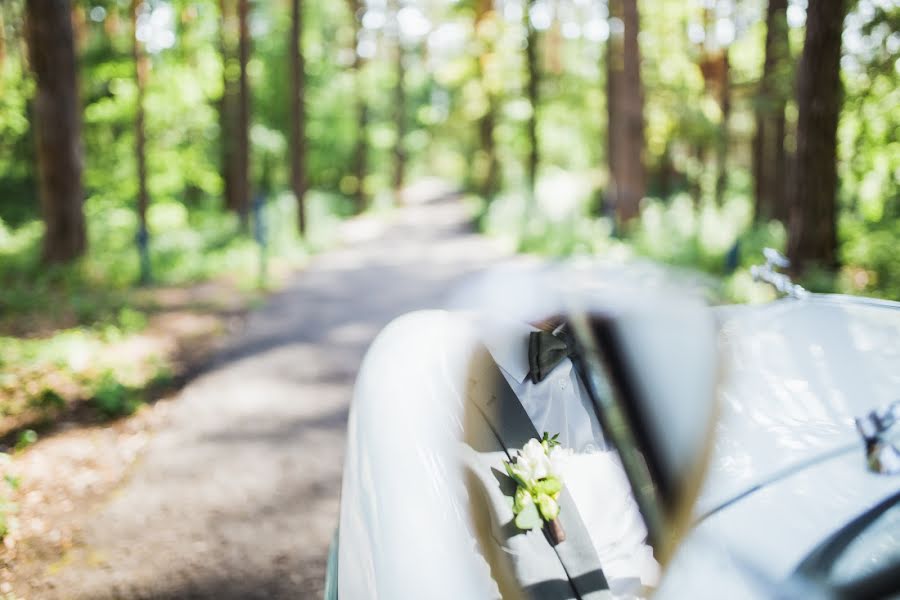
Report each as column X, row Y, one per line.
column 238, row 496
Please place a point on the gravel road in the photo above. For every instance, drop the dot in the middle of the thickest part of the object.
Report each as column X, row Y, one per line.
column 237, row 497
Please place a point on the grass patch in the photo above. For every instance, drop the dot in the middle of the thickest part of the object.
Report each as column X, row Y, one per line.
column 73, row 333
column 719, row 242
column 8, row 484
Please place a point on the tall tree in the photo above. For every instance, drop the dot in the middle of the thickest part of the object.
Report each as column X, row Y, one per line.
column 57, row 116
column 533, row 93
column 489, row 181
column 715, row 66
column 812, row 229
column 235, row 107
column 625, row 111
column 140, row 67
column 243, row 133
column 228, row 104
column 769, row 159
column 360, row 148
column 2, row 39
column 79, row 26
column 298, row 114
column 399, row 107
column 723, row 97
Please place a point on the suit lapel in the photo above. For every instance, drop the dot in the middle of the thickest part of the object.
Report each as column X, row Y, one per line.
column 513, row 428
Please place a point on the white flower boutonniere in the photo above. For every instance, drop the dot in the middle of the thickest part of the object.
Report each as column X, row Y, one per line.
column 537, row 470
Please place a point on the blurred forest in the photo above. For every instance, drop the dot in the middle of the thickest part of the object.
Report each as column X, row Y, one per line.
column 172, row 141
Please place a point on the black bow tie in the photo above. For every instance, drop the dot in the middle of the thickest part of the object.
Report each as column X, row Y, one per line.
column 546, row 350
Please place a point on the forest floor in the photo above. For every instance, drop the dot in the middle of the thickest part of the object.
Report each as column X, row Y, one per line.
column 230, row 488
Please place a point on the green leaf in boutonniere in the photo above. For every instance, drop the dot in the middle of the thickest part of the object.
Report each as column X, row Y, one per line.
column 551, row 486
column 529, row 518
column 548, row 506
column 521, row 500
column 549, row 443
column 517, row 474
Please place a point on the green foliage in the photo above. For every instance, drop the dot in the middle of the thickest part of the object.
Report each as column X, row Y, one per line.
column 112, row 398
column 529, row 518
column 516, row 474
column 12, row 481
column 521, row 499
column 674, row 231
column 26, row 439
column 162, row 376
column 868, row 144
column 131, row 321
column 453, row 79
column 74, row 314
column 548, row 506
column 6, row 509
column 9, row 484
column 48, row 399
column 185, row 246
column 549, row 486
column 549, row 441
column 681, row 224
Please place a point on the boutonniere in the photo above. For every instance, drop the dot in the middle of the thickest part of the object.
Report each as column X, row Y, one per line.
column 537, row 471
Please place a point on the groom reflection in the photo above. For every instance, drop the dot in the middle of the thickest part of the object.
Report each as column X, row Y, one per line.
column 526, row 382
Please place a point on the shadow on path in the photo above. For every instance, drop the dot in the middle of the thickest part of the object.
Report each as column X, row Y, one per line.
column 238, row 496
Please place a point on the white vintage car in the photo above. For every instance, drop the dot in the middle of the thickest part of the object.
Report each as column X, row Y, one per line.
column 756, row 439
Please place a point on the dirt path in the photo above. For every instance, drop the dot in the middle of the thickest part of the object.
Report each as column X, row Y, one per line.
column 238, row 496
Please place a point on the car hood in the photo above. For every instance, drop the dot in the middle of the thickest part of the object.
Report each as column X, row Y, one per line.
column 750, row 548
column 796, row 373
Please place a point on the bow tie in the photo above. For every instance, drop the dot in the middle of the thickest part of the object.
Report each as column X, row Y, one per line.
column 546, row 350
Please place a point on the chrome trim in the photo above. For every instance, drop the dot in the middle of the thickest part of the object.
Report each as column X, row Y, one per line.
column 882, row 456
column 331, row 569
column 774, row 478
column 768, row 273
column 856, row 300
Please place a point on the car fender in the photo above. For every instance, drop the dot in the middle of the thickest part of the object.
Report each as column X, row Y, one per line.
column 405, row 517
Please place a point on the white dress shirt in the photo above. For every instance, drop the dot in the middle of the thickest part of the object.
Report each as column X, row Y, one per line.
column 594, row 475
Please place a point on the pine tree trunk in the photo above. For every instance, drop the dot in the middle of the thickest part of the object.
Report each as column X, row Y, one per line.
column 2, row 43
column 79, row 27
column 625, row 109
column 57, row 115
column 812, row 231
column 553, row 54
column 399, row 110
column 360, row 148
column 769, row 158
column 723, row 138
column 613, row 83
column 242, row 161
column 228, row 107
column 298, row 114
column 140, row 67
column 490, row 179
column 235, row 108
column 533, row 93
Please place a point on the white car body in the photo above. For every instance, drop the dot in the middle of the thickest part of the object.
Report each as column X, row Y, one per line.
column 787, row 467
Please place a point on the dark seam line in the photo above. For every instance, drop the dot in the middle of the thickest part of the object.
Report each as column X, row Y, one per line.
column 778, row 476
